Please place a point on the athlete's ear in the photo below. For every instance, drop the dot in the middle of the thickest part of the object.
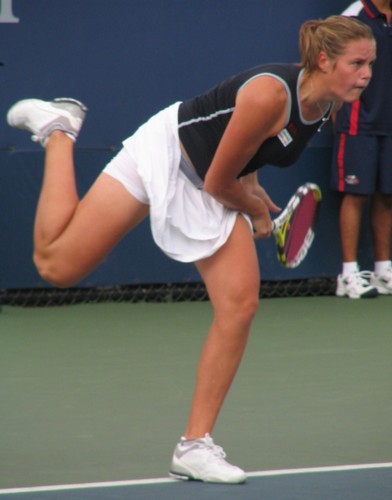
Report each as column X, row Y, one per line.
column 324, row 62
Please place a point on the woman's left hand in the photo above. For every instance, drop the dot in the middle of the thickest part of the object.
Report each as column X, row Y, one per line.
column 262, row 223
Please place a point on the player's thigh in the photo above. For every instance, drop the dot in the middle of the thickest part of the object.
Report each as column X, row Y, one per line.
column 232, row 273
column 355, row 164
column 114, row 205
column 104, row 216
column 107, row 213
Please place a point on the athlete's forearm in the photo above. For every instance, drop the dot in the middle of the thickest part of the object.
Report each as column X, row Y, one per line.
column 238, row 197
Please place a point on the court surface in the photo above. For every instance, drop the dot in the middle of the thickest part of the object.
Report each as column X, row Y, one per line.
column 95, row 396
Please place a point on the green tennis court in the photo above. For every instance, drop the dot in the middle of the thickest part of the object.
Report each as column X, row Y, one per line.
column 98, row 393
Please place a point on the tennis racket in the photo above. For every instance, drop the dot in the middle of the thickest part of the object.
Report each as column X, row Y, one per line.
column 294, row 228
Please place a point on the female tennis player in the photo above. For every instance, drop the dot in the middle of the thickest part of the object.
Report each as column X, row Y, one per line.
column 192, row 168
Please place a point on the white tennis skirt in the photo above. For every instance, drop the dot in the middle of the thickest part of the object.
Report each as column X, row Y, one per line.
column 186, row 223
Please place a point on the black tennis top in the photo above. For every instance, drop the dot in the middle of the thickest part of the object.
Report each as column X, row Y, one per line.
column 203, row 120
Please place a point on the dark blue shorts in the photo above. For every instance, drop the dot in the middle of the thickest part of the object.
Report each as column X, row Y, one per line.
column 362, row 164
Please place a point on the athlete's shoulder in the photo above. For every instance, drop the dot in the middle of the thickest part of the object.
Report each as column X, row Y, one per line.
column 277, row 74
column 282, row 71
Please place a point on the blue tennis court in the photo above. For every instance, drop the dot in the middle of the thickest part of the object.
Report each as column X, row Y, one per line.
column 372, row 481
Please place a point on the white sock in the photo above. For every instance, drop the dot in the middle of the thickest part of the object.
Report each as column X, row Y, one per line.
column 381, row 266
column 349, row 268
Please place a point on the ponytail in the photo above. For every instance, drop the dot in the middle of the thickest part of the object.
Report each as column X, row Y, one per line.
column 331, row 36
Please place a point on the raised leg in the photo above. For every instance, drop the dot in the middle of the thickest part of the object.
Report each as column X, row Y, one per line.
column 72, row 236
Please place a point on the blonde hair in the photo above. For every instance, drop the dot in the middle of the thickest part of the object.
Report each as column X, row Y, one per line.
column 331, row 36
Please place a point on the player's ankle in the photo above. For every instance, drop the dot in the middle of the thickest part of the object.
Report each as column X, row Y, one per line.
column 58, row 137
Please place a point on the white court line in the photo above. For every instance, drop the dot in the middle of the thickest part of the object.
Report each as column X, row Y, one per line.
column 310, row 470
column 162, row 480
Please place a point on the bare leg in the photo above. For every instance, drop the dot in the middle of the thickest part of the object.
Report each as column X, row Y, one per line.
column 381, row 221
column 59, row 198
column 71, row 237
column 350, row 223
column 232, row 279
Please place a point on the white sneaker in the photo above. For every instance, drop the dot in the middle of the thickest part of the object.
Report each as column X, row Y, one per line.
column 356, row 285
column 41, row 118
column 383, row 282
column 203, row 460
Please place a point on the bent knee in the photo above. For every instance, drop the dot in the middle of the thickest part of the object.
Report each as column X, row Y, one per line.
column 54, row 274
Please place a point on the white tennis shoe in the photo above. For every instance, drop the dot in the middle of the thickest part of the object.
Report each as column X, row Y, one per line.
column 201, row 459
column 41, row 118
column 356, row 285
column 383, row 282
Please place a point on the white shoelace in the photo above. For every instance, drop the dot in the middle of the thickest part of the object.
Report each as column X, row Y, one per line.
column 363, row 277
column 207, row 443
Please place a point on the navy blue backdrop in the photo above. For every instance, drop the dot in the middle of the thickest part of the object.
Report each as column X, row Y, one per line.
column 126, row 59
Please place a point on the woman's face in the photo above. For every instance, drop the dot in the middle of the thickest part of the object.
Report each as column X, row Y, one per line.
column 349, row 74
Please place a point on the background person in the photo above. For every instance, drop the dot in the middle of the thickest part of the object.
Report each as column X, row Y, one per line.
column 362, row 163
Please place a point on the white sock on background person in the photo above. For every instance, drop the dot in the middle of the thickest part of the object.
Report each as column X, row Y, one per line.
column 349, row 268
column 382, row 266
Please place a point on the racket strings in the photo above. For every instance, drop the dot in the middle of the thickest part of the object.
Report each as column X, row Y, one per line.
column 299, row 231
